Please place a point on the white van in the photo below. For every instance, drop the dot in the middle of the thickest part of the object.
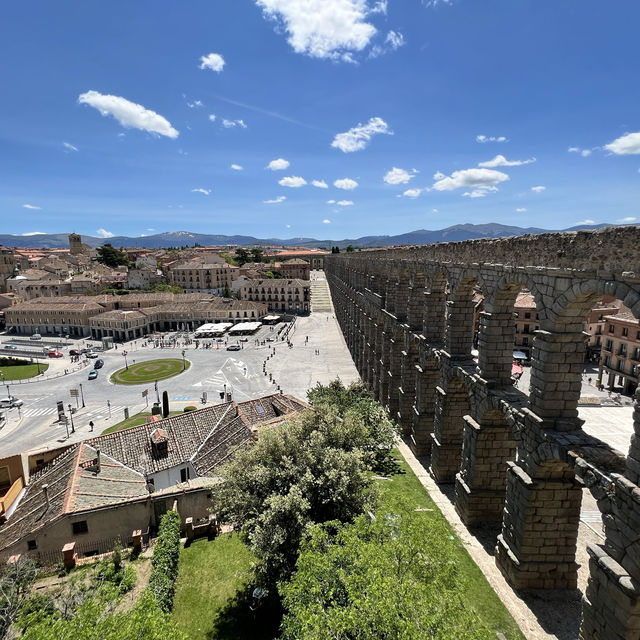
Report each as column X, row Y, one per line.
column 36, row 336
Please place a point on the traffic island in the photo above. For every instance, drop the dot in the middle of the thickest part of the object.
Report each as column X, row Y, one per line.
column 150, row 371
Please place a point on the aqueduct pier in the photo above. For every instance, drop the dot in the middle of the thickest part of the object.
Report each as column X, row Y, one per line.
column 407, row 315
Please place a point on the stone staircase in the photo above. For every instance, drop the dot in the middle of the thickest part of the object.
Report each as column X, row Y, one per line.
column 320, row 296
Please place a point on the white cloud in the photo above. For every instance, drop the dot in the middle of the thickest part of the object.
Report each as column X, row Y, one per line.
column 292, row 181
column 434, row 210
column 34, row 233
column 345, row 183
column 196, row 104
column 212, row 117
column 278, row 164
column 581, row 222
column 325, row 221
column 435, row 3
column 538, row 189
column 479, row 192
column 482, row 178
column 358, row 137
column 288, row 226
column 330, row 29
column 629, row 144
column 237, row 167
column 412, row 193
column 585, row 153
column 229, row 124
column 520, row 210
column 205, row 192
column 129, row 114
column 31, row 206
column 321, row 184
column 501, row 161
column 331, row 201
column 628, row 220
column 482, row 138
column 213, row 61
column 150, row 229
column 275, row 200
column 379, row 7
column 345, row 203
column 103, row 233
column 394, row 40
column 69, row 146
column 399, row 176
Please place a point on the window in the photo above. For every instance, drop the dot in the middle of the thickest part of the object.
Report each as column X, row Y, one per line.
column 609, row 345
column 622, row 351
column 79, row 527
column 611, row 328
column 625, row 332
column 184, row 474
column 32, row 545
column 636, row 353
column 527, row 315
column 5, row 480
column 607, row 361
column 620, row 365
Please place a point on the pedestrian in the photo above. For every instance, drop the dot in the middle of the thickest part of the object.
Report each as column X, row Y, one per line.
column 90, row 425
column 589, row 380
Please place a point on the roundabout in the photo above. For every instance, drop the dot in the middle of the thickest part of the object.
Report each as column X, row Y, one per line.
column 150, row 371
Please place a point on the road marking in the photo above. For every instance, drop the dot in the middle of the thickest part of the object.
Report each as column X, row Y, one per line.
column 182, row 398
column 32, row 413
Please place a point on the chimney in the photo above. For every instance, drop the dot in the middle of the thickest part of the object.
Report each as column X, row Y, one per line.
column 45, row 490
column 97, row 459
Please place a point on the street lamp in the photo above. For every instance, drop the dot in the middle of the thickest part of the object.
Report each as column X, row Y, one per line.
column 82, row 395
column 124, row 353
column 184, row 364
column 71, row 416
column 109, row 407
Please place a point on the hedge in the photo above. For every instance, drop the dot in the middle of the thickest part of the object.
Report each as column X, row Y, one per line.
column 14, row 362
column 189, row 407
column 164, row 562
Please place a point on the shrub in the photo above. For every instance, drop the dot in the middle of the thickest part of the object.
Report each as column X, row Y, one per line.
column 190, row 408
column 164, row 562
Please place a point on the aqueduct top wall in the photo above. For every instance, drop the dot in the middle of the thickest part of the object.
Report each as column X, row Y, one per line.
column 410, row 318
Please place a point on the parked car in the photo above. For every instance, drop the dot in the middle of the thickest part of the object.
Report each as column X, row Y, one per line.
column 10, row 401
column 98, row 364
column 92, row 354
column 35, row 336
column 233, row 347
column 75, row 352
column 10, row 346
column 93, row 374
column 55, row 354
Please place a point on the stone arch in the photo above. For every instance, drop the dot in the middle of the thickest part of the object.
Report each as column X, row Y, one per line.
column 435, row 304
column 459, row 332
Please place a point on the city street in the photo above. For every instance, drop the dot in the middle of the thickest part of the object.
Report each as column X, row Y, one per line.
column 293, row 370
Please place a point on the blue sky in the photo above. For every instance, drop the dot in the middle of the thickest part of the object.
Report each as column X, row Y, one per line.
column 132, row 118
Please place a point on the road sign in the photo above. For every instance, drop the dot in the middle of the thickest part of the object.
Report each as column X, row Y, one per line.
column 145, row 393
column 74, row 393
column 61, row 413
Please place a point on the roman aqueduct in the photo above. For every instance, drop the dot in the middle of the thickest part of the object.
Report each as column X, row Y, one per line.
column 516, row 457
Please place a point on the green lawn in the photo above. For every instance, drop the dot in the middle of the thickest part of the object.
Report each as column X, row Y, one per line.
column 133, row 421
column 149, row 371
column 210, row 593
column 213, row 577
column 403, row 491
column 21, row 372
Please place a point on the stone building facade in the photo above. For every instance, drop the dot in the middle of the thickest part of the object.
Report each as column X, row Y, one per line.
column 295, row 268
column 278, row 294
column 620, row 353
column 516, row 458
column 203, row 277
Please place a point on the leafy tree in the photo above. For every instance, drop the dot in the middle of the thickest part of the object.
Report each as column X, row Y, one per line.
column 227, row 293
column 257, row 254
column 311, row 469
column 15, row 582
column 389, row 577
column 111, row 256
column 349, row 248
column 242, row 256
column 165, row 287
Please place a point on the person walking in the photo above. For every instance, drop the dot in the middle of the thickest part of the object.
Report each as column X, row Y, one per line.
column 90, row 425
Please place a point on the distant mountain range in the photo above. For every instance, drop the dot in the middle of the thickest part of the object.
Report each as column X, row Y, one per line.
column 455, row 233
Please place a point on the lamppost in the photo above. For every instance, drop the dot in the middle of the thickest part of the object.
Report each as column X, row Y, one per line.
column 109, row 407
column 184, row 364
column 124, row 353
column 82, row 395
column 71, row 416
column 155, row 386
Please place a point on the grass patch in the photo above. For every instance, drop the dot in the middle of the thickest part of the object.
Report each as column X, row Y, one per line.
column 21, row 372
column 133, row 421
column 210, row 601
column 404, row 489
column 149, row 371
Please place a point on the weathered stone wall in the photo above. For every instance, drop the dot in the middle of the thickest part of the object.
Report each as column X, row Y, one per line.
column 407, row 317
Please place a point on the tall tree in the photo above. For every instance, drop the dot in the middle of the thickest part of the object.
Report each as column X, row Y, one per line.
column 111, row 256
column 257, row 254
column 242, row 256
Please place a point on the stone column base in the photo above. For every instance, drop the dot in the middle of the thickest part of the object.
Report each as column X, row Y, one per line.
column 478, row 506
column 421, row 433
column 535, row 575
column 611, row 605
column 445, row 460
